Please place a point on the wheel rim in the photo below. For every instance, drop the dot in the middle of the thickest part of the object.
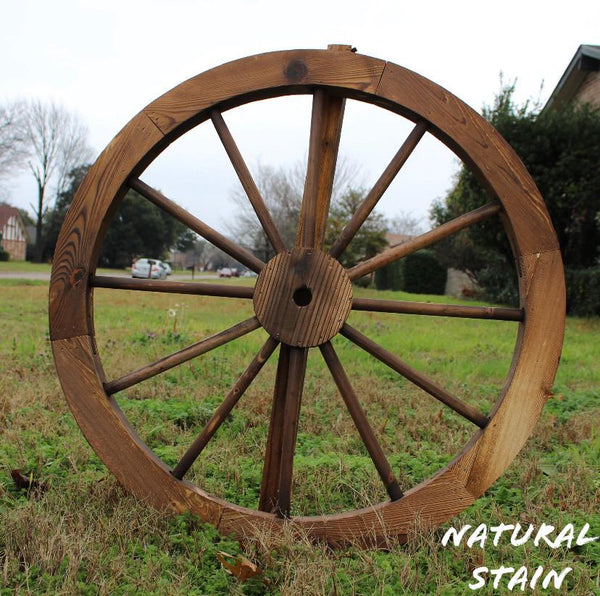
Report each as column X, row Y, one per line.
column 330, row 76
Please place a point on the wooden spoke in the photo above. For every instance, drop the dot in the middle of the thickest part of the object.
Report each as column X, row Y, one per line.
column 439, row 233
column 440, row 310
column 247, row 182
column 168, row 362
column 360, row 420
column 289, row 430
column 465, row 410
column 225, row 408
column 378, row 189
column 231, row 248
column 276, row 487
column 325, row 133
column 269, row 488
column 172, row 287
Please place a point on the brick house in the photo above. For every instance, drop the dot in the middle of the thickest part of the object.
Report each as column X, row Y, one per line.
column 580, row 82
column 14, row 236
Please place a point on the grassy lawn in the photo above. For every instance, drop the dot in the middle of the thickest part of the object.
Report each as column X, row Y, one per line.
column 82, row 534
column 25, row 266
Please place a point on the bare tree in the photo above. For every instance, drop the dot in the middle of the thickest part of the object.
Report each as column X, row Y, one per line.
column 406, row 224
column 13, row 150
column 57, row 143
column 282, row 189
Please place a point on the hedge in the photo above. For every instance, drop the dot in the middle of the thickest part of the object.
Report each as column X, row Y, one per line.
column 418, row 273
column 583, row 291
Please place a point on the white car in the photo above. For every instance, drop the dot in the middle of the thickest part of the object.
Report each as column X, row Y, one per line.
column 148, row 269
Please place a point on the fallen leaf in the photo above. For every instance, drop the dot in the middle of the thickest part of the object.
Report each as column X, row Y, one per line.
column 27, row 483
column 238, row 566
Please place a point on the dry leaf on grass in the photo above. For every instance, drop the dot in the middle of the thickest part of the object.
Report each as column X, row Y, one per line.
column 238, row 566
column 28, row 483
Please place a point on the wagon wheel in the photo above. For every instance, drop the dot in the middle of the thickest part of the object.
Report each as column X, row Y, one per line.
column 303, row 295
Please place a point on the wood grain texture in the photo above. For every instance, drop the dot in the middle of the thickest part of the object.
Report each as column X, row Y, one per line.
column 265, row 75
column 247, row 182
column 269, row 488
column 224, row 409
column 476, row 142
column 383, row 182
column 325, row 134
column 171, row 287
column 497, row 313
column 360, row 421
column 288, row 278
column 86, row 222
column 289, row 429
column 181, row 356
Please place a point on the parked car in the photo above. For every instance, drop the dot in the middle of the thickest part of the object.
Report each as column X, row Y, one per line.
column 225, row 272
column 148, row 268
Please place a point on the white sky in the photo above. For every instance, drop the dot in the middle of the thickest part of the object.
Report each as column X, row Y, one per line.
column 107, row 59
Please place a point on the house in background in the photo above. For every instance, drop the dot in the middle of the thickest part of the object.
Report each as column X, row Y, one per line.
column 580, row 83
column 14, row 236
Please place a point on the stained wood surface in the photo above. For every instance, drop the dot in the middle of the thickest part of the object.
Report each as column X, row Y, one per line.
column 498, row 313
column 224, row 409
column 406, row 248
column 247, row 182
column 370, row 201
column 234, row 250
column 325, row 133
column 171, row 287
column 181, row 356
column 269, row 488
column 360, row 421
column 288, row 278
column 331, row 76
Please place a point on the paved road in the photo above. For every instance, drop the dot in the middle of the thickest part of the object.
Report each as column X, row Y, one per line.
column 24, row 275
column 46, row 276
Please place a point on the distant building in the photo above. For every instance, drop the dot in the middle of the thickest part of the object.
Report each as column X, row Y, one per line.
column 395, row 239
column 14, row 236
column 580, row 83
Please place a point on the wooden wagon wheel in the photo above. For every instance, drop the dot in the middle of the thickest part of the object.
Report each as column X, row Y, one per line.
column 303, row 296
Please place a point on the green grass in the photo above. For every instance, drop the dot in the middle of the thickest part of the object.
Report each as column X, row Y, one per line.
column 25, row 266
column 84, row 535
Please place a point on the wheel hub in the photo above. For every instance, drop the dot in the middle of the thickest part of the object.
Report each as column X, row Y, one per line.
column 303, row 297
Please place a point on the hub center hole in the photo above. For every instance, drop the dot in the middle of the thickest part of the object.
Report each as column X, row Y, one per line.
column 302, row 296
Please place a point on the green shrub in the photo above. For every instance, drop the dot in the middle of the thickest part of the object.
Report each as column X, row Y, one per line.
column 390, row 277
column 583, row 291
column 423, row 273
column 4, row 256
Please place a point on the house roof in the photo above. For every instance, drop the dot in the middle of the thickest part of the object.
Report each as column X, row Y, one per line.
column 394, row 239
column 585, row 60
column 6, row 212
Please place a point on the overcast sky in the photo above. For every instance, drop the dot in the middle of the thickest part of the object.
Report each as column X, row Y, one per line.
column 107, row 59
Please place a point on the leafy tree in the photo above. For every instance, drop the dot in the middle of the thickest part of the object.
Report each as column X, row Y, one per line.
column 138, row 228
column 560, row 150
column 370, row 238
